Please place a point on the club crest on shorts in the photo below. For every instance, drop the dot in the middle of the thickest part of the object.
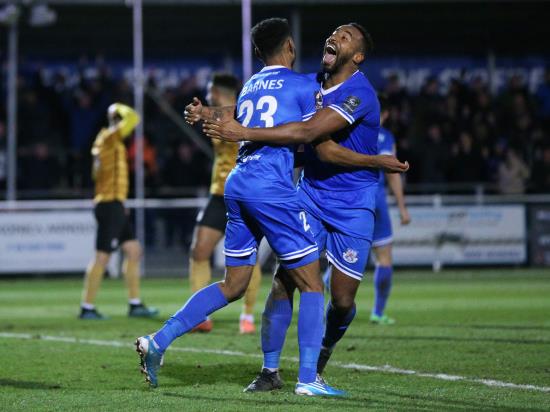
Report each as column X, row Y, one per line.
column 114, row 243
column 350, row 255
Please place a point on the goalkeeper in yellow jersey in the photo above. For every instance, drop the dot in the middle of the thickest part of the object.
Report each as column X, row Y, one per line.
column 211, row 221
column 114, row 230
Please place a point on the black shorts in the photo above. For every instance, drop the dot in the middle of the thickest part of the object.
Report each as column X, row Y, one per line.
column 214, row 214
column 113, row 226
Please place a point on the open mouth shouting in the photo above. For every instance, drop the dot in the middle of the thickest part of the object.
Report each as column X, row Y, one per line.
column 330, row 54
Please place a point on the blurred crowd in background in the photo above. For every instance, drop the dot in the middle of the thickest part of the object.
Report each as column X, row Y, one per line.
column 58, row 120
column 455, row 139
column 466, row 135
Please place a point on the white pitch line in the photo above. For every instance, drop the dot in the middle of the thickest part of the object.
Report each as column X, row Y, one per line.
column 355, row 366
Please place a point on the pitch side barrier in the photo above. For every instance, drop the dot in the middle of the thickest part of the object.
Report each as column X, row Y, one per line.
column 57, row 236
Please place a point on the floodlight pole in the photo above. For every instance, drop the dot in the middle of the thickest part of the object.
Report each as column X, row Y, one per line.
column 296, row 22
column 11, row 174
column 246, row 12
column 139, row 135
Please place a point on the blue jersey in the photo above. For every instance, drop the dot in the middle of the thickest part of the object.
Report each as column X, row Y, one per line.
column 386, row 141
column 344, row 198
column 272, row 97
column 355, row 100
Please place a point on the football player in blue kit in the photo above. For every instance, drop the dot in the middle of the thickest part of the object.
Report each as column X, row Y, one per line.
column 382, row 238
column 339, row 197
column 262, row 201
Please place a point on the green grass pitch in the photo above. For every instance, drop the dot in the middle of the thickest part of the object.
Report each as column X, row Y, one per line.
column 482, row 324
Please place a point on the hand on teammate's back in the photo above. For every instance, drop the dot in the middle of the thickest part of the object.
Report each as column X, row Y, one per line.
column 193, row 111
column 230, row 130
column 390, row 164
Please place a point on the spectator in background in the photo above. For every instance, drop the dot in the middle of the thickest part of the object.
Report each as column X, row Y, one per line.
column 520, row 125
column 64, row 109
column 397, row 94
column 53, row 96
column 151, row 177
column 434, row 157
column 512, row 174
column 512, row 103
column 494, row 158
column 399, row 107
column 541, row 173
column 41, row 170
column 466, row 163
column 182, row 170
column 428, row 107
column 83, row 120
column 33, row 118
column 484, row 120
column 149, row 162
column 83, row 125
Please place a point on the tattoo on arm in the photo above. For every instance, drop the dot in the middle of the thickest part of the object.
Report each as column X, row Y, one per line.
column 217, row 113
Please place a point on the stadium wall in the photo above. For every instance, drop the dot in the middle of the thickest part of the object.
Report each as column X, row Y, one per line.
column 58, row 236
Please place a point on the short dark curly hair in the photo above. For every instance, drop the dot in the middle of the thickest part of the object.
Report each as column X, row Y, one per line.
column 367, row 43
column 226, row 81
column 269, row 35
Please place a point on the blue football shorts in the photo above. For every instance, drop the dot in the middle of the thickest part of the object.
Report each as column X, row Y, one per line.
column 348, row 253
column 284, row 225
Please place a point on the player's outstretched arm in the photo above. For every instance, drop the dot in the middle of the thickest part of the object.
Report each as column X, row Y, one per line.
column 325, row 122
column 331, row 152
column 195, row 112
column 396, row 186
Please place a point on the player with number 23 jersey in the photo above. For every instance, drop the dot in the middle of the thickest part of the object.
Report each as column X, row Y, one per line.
column 260, row 195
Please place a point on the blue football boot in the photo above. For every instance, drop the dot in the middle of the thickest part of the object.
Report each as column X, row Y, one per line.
column 150, row 358
column 317, row 388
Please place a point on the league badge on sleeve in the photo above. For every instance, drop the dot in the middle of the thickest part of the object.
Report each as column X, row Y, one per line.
column 350, row 104
column 350, row 255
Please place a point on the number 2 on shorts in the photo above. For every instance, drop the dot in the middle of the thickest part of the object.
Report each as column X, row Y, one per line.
column 303, row 218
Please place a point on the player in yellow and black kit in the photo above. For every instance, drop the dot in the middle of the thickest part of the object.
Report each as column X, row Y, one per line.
column 211, row 222
column 110, row 173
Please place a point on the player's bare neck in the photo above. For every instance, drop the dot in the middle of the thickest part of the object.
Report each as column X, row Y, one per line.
column 279, row 61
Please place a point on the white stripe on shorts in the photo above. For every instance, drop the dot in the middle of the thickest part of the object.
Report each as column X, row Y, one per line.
column 343, row 269
column 299, row 253
column 239, row 253
column 382, row 242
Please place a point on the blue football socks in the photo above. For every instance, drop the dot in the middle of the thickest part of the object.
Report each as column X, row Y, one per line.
column 275, row 322
column 310, row 332
column 337, row 324
column 195, row 311
column 382, row 288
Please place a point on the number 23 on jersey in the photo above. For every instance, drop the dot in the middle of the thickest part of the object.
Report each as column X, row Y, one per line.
column 267, row 106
